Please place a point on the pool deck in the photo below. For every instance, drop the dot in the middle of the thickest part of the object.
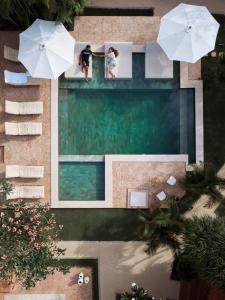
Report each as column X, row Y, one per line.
column 40, row 150
column 24, row 150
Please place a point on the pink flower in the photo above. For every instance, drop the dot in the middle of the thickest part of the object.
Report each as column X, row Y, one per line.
column 8, row 228
column 17, row 215
column 26, row 227
column 30, row 232
column 16, row 208
column 4, row 226
column 14, row 229
column 10, row 220
column 31, row 219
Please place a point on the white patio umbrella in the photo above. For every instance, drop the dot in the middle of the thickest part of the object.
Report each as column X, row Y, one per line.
column 46, row 49
column 187, row 33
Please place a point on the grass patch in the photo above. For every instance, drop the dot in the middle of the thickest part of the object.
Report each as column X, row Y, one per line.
column 98, row 224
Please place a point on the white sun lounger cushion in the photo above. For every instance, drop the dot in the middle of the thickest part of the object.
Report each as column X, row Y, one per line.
column 23, row 128
column 20, row 78
column 161, row 196
column 157, row 64
column 11, row 54
column 27, row 192
column 76, row 70
column 24, row 108
column 13, row 171
column 123, row 67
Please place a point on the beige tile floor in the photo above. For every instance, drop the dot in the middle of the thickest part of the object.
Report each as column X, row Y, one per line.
column 151, row 176
column 61, row 284
column 23, row 149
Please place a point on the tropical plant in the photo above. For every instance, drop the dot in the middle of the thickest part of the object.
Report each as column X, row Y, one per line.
column 28, row 251
column 21, row 13
column 137, row 293
column 203, row 245
column 5, row 188
column 162, row 227
column 203, row 180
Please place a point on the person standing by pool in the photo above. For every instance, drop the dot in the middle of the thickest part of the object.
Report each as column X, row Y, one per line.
column 84, row 60
column 111, row 56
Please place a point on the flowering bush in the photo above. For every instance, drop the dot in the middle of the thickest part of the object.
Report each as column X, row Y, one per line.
column 28, row 251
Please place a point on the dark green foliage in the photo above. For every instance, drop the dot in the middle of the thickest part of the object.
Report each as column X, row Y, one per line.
column 203, row 180
column 162, row 227
column 19, row 14
column 203, row 249
column 137, row 293
column 5, row 188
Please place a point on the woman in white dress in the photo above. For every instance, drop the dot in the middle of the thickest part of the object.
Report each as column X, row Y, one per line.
column 111, row 61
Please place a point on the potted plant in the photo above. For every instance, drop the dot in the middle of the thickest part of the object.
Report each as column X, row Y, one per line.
column 137, row 293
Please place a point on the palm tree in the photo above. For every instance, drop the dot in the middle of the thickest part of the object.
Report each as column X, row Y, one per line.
column 162, row 227
column 203, row 180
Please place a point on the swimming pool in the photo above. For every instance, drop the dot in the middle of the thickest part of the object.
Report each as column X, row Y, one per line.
column 137, row 116
column 94, row 122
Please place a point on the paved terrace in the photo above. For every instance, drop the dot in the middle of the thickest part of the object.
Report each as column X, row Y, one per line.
column 59, row 284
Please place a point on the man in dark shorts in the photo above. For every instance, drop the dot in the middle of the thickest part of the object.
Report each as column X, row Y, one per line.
column 84, row 60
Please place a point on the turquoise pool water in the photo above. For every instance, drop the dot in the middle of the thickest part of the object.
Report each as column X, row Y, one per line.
column 81, row 181
column 94, row 122
column 137, row 116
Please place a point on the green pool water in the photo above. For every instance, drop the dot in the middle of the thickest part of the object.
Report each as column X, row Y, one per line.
column 121, row 121
column 82, row 181
column 136, row 116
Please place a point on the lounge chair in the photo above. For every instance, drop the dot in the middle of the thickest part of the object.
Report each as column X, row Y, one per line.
column 23, row 128
column 76, row 70
column 14, row 78
column 27, row 192
column 161, row 196
column 124, row 60
column 137, row 198
column 157, row 64
column 171, row 180
column 11, row 54
column 14, row 171
column 24, row 108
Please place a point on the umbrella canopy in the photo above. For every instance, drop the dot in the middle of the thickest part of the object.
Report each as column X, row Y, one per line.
column 46, row 49
column 187, row 33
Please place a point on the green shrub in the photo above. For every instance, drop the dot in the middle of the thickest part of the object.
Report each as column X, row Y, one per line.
column 203, row 245
column 19, row 14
